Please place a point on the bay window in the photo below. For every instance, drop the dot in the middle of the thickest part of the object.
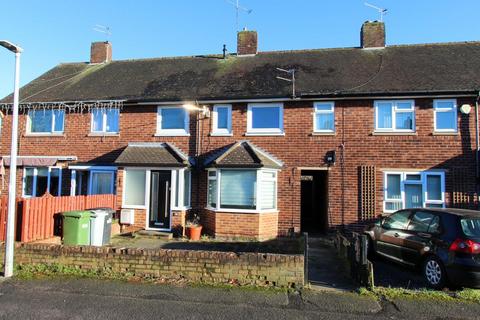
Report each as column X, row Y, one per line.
column 395, row 116
column 37, row 181
column 242, row 189
column 47, row 121
column 403, row 190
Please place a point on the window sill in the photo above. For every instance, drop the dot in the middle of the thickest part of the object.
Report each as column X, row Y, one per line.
column 393, row 133
column 215, row 134
column 103, row 134
column 245, row 211
column 321, row 133
column 171, row 134
column 264, row 134
column 134, row 207
column 446, row 133
column 44, row 135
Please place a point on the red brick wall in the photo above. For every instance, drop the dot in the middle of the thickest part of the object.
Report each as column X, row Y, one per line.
column 354, row 121
column 259, row 226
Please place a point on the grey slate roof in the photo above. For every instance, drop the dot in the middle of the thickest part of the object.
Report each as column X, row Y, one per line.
column 426, row 68
column 152, row 154
column 242, row 154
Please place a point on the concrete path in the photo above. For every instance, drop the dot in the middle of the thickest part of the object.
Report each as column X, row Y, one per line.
column 325, row 270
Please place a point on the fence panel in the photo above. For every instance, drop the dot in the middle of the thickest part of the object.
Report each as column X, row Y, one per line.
column 38, row 213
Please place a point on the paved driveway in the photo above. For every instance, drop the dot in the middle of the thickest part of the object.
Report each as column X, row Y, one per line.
column 390, row 274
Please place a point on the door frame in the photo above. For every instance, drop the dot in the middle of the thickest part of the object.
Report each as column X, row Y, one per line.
column 148, row 192
column 146, row 207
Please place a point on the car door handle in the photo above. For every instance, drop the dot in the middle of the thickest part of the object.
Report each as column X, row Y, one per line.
column 424, row 235
column 396, row 235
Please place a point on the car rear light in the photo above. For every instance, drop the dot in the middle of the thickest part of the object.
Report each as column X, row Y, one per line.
column 465, row 246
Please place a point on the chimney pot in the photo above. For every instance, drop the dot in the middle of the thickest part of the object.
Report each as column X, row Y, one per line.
column 372, row 34
column 101, row 52
column 247, row 42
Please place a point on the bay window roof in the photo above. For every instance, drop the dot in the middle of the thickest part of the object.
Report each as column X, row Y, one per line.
column 242, row 154
column 152, row 154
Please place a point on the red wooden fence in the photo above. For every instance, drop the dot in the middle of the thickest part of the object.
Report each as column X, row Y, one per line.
column 36, row 215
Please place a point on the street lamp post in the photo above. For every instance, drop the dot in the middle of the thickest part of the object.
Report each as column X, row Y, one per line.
column 10, row 238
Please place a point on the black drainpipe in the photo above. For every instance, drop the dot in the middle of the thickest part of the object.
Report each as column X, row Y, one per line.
column 477, row 160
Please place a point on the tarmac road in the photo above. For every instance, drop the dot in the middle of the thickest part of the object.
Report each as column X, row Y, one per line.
column 95, row 299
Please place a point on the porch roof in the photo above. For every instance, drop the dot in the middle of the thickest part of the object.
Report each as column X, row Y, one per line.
column 152, row 154
column 242, row 154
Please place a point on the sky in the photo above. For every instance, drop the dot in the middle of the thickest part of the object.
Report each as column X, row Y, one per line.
column 56, row 31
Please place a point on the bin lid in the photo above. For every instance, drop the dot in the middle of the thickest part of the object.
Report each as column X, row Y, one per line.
column 98, row 213
column 77, row 214
column 102, row 209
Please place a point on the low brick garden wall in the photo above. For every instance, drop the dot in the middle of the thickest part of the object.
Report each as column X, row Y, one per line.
column 276, row 270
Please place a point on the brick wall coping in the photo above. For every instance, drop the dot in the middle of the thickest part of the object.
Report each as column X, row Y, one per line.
column 177, row 253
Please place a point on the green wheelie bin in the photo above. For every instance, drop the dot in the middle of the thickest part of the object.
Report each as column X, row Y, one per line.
column 76, row 228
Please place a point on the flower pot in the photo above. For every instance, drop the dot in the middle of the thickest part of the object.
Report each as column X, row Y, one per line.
column 194, row 232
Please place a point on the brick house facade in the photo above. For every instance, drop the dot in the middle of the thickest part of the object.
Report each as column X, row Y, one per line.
column 313, row 191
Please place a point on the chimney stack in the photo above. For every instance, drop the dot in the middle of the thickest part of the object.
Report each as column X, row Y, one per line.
column 247, row 42
column 372, row 34
column 101, row 52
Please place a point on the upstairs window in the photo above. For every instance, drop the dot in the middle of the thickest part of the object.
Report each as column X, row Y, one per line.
column 395, row 116
column 46, row 121
column 222, row 120
column 324, row 117
column 172, row 121
column 445, row 115
column 105, row 120
column 37, row 181
column 265, row 119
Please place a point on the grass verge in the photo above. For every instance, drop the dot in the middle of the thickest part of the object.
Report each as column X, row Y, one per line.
column 465, row 295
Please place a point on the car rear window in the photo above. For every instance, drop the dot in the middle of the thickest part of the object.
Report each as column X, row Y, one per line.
column 471, row 227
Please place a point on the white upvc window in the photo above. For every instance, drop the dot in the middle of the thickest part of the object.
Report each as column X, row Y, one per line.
column 181, row 184
column 265, row 119
column 105, row 120
column 172, row 121
column 242, row 190
column 324, row 117
column 37, row 181
column 222, row 120
column 404, row 190
column 134, row 188
column 445, row 115
column 45, row 121
column 394, row 116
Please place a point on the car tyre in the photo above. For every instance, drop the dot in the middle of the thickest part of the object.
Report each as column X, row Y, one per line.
column 434, row 272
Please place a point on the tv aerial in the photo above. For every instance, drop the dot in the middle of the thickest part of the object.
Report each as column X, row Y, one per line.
column 381, row 11
column 102, row 29
column 238, row 8
column 292, row 79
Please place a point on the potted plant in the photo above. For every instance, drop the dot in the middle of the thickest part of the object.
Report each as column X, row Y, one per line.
column 193, row 227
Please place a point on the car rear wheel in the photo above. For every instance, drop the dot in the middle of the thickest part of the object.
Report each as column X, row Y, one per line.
column 434, row 272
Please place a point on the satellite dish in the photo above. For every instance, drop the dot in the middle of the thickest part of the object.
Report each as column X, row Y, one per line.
column 465, row 108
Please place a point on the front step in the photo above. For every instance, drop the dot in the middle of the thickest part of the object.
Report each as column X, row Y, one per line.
column 154, row 234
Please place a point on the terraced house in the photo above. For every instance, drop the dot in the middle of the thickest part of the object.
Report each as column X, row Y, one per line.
column 364, row 131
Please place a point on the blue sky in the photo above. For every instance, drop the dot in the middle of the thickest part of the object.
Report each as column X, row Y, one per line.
column 55, row 31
